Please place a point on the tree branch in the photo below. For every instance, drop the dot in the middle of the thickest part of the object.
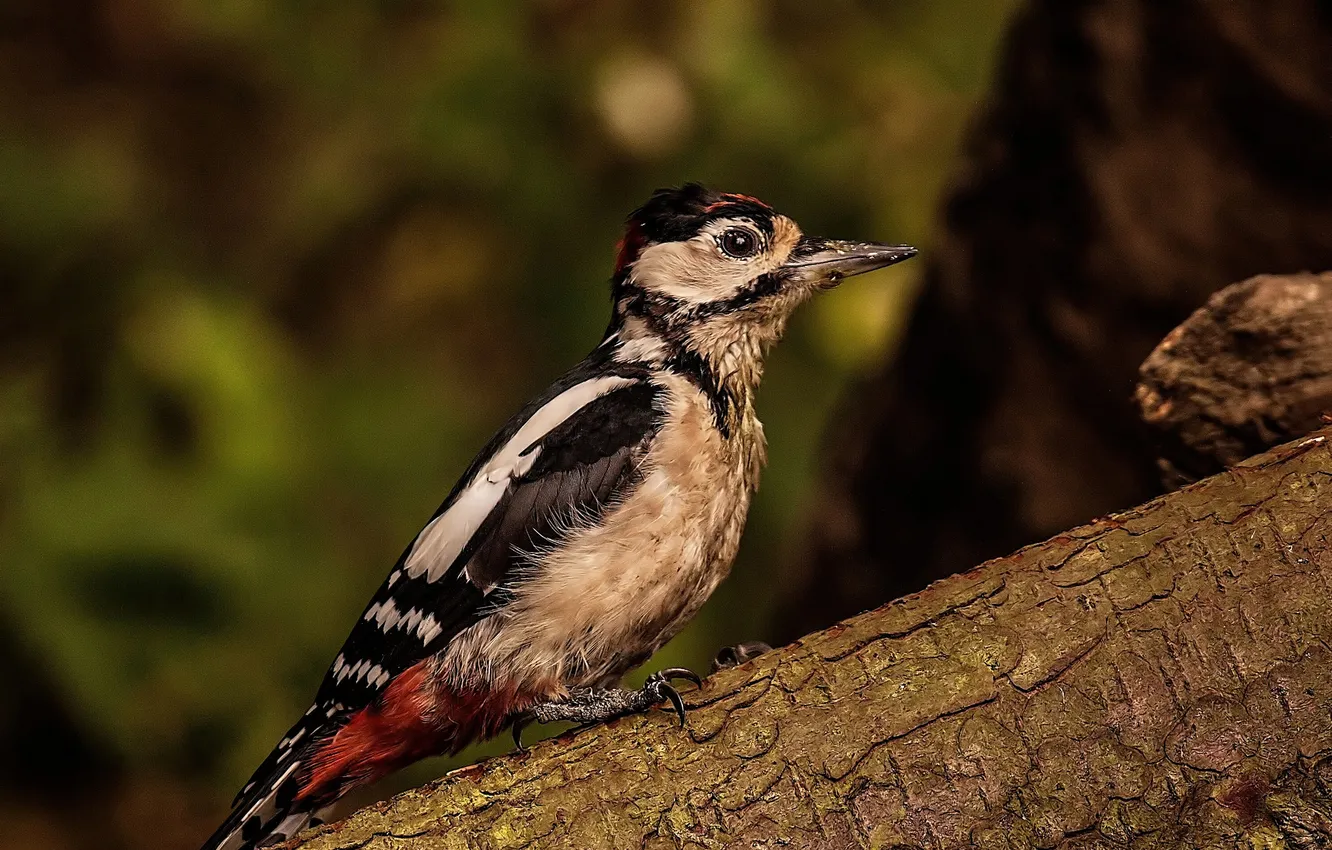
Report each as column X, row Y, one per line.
column 1161, row 677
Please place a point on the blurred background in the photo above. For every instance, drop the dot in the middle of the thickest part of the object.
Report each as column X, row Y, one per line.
column 271, row 272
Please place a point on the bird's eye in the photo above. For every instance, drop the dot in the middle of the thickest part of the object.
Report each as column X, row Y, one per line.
column 739, row 243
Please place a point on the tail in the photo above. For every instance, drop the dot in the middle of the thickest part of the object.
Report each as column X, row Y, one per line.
column 327, row 753
column 267, row 810
column 330, row 751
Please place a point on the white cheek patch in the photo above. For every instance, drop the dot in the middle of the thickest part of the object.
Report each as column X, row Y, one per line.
column 693, row 271
column 442, row 541
column 696, row 271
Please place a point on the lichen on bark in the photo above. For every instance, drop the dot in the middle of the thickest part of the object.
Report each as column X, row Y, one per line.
column 1159, row 678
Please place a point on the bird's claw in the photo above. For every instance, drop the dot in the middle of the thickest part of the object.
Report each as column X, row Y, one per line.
column 678, row 673
column 734, row 656
column 666, row 690
column 659, row 685
column 519, row 724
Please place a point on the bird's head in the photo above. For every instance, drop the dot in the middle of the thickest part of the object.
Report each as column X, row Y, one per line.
column 719, row 274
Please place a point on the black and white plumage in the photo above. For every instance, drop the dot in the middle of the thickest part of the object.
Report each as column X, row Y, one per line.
column 587, row 531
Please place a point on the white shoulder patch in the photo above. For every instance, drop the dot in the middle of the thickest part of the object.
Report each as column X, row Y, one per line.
column 440, row 543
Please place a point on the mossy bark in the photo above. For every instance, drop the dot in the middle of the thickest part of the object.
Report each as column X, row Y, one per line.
column 1159, row 678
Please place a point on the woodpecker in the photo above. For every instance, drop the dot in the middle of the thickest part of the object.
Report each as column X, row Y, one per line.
column 589, row 529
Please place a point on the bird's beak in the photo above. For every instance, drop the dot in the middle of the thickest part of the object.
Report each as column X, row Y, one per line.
column 825, row 262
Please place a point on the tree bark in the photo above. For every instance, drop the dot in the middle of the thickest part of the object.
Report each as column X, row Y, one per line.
column 1161, row 677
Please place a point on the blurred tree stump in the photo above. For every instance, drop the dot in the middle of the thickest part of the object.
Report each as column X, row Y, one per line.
column 1248, row 370
column 1134, row 158
column 1158, row 678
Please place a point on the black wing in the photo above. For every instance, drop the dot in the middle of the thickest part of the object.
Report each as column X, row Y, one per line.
column 585, row 463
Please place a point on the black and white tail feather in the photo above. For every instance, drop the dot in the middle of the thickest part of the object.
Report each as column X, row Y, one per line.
column 265, row 812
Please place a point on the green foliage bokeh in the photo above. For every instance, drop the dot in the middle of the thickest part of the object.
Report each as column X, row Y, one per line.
column 278, row 273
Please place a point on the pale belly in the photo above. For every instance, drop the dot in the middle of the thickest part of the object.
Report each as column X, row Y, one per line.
column 612, row 594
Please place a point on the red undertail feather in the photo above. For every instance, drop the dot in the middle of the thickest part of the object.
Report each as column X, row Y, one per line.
column 414, row 719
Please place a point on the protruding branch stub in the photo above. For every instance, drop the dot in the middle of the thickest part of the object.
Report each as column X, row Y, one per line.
column 1250, row 369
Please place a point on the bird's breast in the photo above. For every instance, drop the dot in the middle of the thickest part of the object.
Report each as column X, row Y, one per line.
column 615, row 591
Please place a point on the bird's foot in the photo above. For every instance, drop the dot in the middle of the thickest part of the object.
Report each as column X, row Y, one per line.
column 734, row 656
column 595, row 705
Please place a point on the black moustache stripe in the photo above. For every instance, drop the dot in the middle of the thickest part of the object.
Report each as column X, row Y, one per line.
column 668, row 318
column 694, row 368
column 763, row 287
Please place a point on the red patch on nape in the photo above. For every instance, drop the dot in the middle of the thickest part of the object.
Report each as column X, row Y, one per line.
column 412, row 720
column 631, row 244
column 729, row 198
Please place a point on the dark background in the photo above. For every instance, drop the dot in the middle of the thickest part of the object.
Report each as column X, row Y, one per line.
column 270, row 272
